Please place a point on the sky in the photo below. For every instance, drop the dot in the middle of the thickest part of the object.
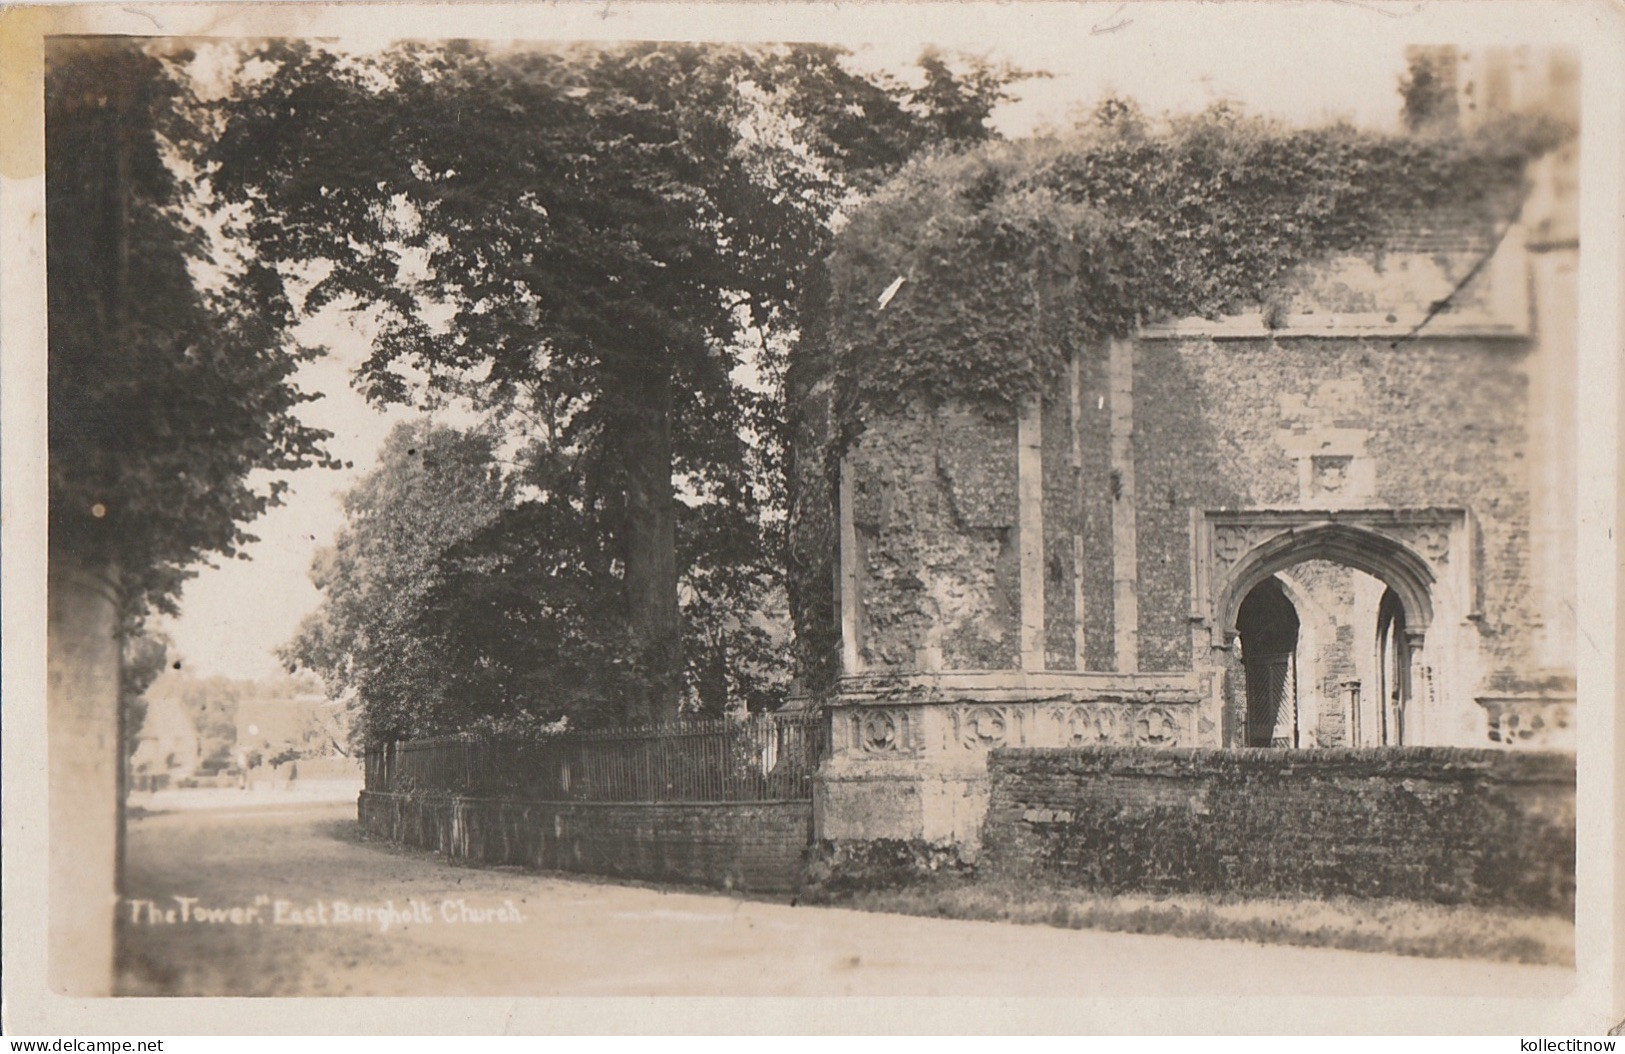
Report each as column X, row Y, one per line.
column 236, row 614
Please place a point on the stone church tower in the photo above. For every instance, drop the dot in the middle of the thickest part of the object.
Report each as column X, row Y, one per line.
column 1344, row 521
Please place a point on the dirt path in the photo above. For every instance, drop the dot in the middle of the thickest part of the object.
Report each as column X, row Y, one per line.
column 443, row 930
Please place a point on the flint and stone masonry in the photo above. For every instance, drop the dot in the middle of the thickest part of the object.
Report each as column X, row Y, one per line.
column 1344, row 523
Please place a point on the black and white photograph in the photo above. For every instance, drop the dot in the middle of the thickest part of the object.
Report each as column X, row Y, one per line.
column 1106, row 505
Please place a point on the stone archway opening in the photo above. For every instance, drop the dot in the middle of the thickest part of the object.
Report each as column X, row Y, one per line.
column 1330, row 620
column 1385, row 558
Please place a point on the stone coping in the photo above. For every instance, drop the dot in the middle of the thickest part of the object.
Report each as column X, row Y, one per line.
column 1019, row 686
column 1438, row 763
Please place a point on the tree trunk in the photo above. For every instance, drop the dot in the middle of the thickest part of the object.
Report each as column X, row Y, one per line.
column 812, row 481
column 85, row 745
column 82, row 785
column 650, row 544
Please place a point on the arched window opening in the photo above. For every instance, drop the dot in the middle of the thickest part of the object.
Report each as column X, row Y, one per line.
column 1393, row 673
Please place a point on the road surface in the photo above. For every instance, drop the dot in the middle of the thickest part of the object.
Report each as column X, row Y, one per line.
column 287, row 900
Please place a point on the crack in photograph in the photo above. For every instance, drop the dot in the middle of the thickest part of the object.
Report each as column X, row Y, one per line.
column 1078, row 515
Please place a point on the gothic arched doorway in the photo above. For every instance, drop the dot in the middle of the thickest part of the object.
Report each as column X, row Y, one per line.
column 1332, row 635
column 1268, row 626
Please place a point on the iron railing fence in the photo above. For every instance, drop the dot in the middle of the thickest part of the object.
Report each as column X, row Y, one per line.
column 762, row 758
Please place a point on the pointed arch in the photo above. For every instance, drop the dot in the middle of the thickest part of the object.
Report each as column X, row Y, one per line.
column 1397, row 565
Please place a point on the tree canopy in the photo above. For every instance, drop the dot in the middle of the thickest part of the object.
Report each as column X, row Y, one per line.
column 166, row 393
column 433, row 488
column 604, row 249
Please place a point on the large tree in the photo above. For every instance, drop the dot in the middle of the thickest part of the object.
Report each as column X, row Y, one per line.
column 591, row 243
column 433, row 487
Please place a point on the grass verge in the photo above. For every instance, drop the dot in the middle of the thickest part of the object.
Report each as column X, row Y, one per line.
column 1391, row 926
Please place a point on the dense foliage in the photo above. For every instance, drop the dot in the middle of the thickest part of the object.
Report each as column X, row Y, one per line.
column 433, row 488
column 1018, row 255
column 604, row 250
column 165, row 393
column 144, row 656
column 452, row 602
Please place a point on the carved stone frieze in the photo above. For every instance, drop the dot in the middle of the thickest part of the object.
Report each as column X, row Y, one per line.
column 1156, row 726
column 1123, row 724
column 1232, row 541
column 985, row 727
column 951, row 730
column 882, row 731
column 1432, row 540
column 1087, row 726
column 1233, row 536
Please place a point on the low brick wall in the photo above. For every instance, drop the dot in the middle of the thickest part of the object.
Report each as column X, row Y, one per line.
column 756, row 846
column 1434, row 824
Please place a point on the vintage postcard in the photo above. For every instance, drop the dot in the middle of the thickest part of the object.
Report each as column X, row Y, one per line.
column 795, row 517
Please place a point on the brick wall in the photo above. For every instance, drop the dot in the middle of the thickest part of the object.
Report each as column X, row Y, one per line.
column 1434, row 824
column 755, row 846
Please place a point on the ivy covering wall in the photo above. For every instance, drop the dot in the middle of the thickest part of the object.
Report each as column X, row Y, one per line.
column 972, row 277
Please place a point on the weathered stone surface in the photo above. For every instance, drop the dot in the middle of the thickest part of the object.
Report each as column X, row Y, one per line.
column 865, row 801
column 1061, row 524
column 934, row 503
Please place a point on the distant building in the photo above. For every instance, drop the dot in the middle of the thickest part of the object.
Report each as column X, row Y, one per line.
column 272, row 726
column 168, row 744
column 304, row 731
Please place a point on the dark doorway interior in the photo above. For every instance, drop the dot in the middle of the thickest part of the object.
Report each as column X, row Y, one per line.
column 1268, row 626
